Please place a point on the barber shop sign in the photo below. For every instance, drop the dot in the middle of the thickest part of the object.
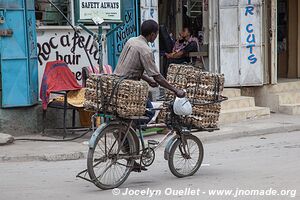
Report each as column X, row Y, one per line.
column 250, row 31
column 60, row 44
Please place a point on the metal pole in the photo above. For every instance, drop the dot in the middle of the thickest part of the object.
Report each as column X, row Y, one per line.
column 101, row 46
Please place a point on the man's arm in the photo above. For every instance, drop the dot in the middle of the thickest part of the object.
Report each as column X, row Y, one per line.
column 175, row 55
column 191, row 47
column 164, row 83
column 150, row 68
column 150, row 81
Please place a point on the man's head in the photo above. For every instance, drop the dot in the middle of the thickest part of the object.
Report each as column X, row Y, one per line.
column 149, row 30
column 186, row 33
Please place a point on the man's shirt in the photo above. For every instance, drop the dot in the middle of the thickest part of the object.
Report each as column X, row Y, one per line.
column 136, row 57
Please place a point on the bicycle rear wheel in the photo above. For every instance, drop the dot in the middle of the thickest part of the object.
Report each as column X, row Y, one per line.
column 107, row 167
column 186, row 157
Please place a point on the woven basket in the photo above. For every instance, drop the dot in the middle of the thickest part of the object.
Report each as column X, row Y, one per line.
column 201, row 88
column 116, row 95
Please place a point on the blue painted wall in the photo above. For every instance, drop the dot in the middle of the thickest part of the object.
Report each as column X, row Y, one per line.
column 129, row 28
column 18, row 54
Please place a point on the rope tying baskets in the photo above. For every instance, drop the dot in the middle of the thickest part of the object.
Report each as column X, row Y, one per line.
column 204, row 92
column 116, row 95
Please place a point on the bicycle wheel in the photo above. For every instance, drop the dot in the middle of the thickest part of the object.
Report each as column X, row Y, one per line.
column 107, row 167
column 185, row 160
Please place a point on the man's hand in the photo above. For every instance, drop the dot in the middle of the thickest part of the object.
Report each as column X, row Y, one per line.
column 180, row 93
column 164, row 83
column 153, row 84
column 168, row 55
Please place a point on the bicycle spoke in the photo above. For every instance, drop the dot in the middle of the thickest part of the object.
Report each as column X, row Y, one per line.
column 109, row 151
column 112, row 157
column 98, row 163
column 191, row 152
column 100, row 148
column 104, row 171
column 118, row 170
column 180, row 161
column 99, row 159
column 123, row 164
column 186, row 157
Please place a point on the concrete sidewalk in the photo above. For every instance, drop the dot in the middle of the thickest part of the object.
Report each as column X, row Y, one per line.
column 21, row 151
column 277, row 123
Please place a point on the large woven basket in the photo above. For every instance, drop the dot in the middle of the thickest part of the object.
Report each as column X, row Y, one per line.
column 203, row 90
column 116, row 95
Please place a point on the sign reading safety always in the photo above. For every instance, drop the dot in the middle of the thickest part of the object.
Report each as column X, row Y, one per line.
column 105, row 9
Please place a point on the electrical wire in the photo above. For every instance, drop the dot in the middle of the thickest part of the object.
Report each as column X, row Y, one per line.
column 76, row 34
column 54, row 140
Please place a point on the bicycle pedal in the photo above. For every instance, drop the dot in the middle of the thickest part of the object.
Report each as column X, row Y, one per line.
column 153, row 142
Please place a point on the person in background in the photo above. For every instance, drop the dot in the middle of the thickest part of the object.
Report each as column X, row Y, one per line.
column 183, row 46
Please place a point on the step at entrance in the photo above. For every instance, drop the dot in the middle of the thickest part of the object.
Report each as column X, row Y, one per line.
column 281, row 98
column 240, row 108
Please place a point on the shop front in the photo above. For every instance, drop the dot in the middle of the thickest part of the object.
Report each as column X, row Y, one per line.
column 241, row 43
column 56, row 39
column 34, row 33
column 255, row 42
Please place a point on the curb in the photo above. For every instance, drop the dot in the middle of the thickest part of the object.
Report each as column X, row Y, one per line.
column 49, row 157
column 205, row 137
column 239, row 134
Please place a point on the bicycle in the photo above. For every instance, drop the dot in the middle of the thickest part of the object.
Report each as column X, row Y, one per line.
column 115, row 146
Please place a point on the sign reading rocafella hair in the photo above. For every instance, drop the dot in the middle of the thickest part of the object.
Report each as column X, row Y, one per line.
column 60, row 44
column 105, row 9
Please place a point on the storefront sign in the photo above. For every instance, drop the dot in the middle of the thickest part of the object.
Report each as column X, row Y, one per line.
column 126, row 31
column 251, row 42
column 62, row 45
column 105, row 9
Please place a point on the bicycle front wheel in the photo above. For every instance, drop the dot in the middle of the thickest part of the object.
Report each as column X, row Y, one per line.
column 110, row 162
column 186, row 157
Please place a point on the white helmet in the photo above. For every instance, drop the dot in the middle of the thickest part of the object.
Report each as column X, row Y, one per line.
column 182, row 106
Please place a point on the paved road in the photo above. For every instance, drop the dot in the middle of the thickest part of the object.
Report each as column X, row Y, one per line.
column 255, row 163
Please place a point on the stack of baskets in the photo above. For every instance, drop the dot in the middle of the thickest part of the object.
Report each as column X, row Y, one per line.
column 115, row 95
column 203, row 90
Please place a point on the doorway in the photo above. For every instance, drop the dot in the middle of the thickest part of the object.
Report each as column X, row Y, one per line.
column 173, row 17
column 288, row 39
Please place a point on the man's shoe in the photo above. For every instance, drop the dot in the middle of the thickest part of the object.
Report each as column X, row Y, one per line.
column 138, row 168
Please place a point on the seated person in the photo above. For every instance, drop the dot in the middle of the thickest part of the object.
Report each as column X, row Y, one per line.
column 183, row 46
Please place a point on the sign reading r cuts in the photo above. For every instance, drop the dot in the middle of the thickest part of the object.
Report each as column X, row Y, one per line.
column 251, row 41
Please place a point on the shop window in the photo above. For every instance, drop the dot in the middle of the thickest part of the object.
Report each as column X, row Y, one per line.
column 47, row 15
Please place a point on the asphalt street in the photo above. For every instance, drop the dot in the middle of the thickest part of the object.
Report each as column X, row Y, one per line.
column 264, row 167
